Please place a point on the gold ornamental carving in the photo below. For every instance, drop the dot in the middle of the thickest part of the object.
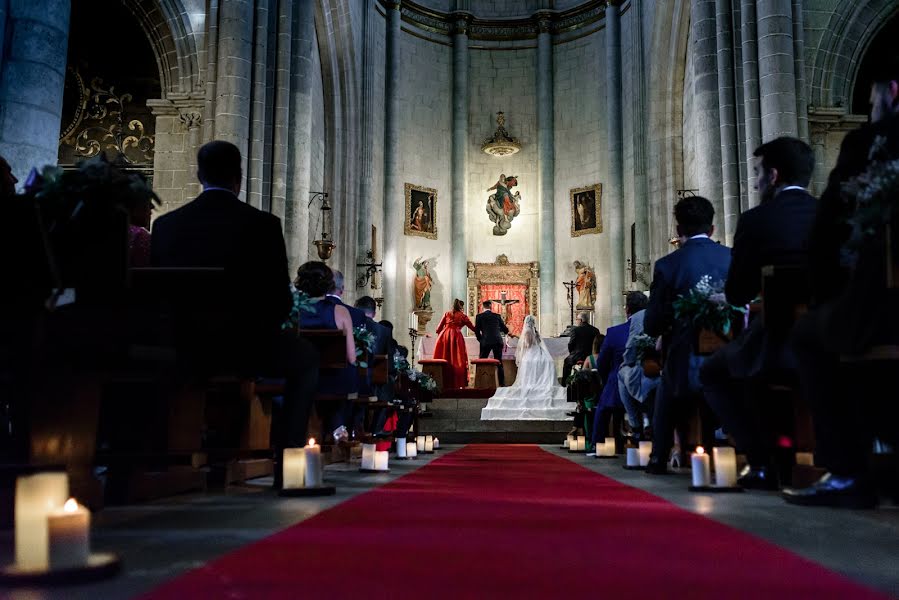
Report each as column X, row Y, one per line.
column 503, row 271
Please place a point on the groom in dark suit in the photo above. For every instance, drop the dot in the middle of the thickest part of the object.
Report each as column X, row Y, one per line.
column 488, row 327
column 674, row 275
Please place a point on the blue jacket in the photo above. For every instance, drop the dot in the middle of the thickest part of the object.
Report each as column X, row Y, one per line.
column 611, row 355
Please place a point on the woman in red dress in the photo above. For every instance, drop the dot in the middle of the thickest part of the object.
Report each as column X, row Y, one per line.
column 451, row 345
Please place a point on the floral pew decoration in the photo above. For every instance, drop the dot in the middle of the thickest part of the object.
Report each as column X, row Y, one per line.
column 712, row 316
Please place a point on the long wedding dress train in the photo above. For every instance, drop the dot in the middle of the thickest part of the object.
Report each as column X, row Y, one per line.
column 536, row 394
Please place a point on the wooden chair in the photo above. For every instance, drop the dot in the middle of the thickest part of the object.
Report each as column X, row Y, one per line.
column 485, row 373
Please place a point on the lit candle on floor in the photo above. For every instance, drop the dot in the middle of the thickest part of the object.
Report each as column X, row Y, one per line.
column 436, row 443
column 568, row 440
column 700, row 468
column 368, row 456
column 293, row 468
column 313, row 474
column 381, row 460
column 633, row 457
column 581, row 443
column 644, row 451
column 36, row 496
column 607, row 448
column 725, row 459
column 429, row 443
column 411, row 450
column 420, row 443
column 401, row 447
column 68, row 534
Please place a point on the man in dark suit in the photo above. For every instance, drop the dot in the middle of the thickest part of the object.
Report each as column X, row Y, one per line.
column 773, row 233
column 335, row 295
column 580, row 344
column 383, row 338
column 673, row 276
column 849, row 313
column 218, row 230
column 488, row 328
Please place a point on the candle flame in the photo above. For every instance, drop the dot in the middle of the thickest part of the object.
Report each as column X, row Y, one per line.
column 311, row 442
column 70, row 506
column 700, row 450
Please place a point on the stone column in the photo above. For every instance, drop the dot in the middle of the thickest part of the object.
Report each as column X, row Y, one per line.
column 234, row 76
column 613, row 193
column 365, row 214
column 546, row 166
column 394, row 201
column 777, row 81
column 32, row 75
column 280, row 126
column 459, row 154
column 727, row 111
column 641, row 196
column 799, row 69
column 705, row 97
column 750, row 92
column 256, row 176
column 299, row 169
column 212, row 41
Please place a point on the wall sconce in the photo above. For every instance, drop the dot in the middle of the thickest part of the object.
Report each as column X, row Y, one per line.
column 325, row 244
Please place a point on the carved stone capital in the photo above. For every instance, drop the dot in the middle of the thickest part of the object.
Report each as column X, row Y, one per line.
column 461, row 23
column 190, row 119
column 544, row 21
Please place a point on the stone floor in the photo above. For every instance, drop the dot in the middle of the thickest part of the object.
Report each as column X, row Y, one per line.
column 162, row 539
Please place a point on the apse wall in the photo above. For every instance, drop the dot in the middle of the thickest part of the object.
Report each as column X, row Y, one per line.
column 580, row 131
column 425, row 91
column 502, row 80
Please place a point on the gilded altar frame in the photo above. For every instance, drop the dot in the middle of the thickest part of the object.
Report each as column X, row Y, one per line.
column 503, row 271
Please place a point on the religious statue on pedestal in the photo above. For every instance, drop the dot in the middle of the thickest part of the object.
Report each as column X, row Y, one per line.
column 585, row 286
column 422, row 285
column 502, row 206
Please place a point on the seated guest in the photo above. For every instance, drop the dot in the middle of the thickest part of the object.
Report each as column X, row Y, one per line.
column 852, row 310
column 634, row 388
column 773, row 233
column 587, row 401
column 611, row 356
column 579, row 344
column 674, row 275
column 217, row 229
column 139, row 208
column 335, row 295
column 315, row 279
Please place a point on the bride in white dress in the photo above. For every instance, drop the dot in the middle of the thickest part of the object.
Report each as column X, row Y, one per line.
column 536, row 394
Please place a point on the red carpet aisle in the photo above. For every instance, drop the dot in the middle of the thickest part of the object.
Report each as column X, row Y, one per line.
column 492, row 521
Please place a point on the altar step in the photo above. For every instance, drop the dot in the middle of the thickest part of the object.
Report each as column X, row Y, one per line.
column 458, row 421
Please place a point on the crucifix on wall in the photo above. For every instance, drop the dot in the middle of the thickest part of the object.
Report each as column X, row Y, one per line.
column 505, row 302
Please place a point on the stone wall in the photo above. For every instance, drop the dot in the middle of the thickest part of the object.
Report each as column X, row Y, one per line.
column 425, row 91
column 317, row 150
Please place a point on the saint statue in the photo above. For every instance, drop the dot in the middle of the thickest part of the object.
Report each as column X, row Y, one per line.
column 422, row 285
column 503, row 206
column 585, row 285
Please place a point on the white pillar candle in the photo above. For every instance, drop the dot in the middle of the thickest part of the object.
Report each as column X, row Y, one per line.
column 633, row 457
column 368, row 456
column 567, row 443
column 436, row 443
column 313, row 474
column 429, row 443
column 36, row 496
column 412, row 450
column 581, row 443
column 401, row 447
column 68, row 535
column 700, row 468
column 293, row 468
column 606, row 448
column 644, row 451
column 420, row 443
column 725, row 459
column 381, row 460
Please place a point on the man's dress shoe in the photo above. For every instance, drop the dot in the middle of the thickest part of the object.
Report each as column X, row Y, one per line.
column 657, row 467
column 830, row 490
column 757, row 478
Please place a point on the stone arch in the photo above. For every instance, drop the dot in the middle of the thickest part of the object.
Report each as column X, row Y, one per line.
column 167, row 26
column 339, row 64
column 670, row 35
column 849, row 32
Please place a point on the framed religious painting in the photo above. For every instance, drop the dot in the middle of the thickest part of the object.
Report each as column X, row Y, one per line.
column 421, row 211
column 586, row 210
